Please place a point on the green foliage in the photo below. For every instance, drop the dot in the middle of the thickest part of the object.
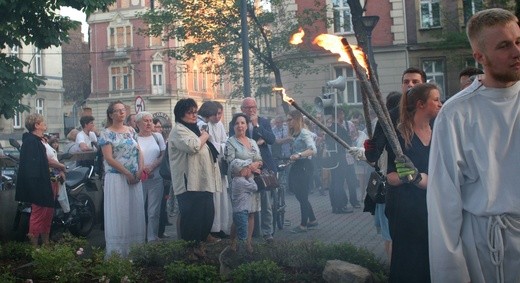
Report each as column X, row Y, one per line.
column 179, row 271
column 32, row 22
column 214, row 32
column 5, row 275
column 15, row 250
column 57, row 263
column 265, row 271
column 116, row 269
column 159, row 253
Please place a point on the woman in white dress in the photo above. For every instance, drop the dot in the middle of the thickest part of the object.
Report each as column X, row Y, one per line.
column 123, row 191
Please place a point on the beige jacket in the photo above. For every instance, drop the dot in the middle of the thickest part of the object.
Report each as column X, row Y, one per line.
column 192, row 163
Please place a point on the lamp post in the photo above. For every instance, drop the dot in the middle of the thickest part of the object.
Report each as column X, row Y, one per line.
column 245, row 47
column 369, row 23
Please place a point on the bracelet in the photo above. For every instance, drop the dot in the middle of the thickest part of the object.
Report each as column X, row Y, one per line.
column 417, row 179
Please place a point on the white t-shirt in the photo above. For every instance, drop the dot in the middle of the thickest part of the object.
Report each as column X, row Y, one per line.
column 88, row 140
column 151, row 149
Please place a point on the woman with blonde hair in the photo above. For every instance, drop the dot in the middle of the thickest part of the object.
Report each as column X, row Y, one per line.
column 408, row 177
column 301, row 172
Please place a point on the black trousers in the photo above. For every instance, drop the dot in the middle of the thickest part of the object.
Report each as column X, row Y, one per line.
column 300, row 178
column 337, row 194
column 197, row 212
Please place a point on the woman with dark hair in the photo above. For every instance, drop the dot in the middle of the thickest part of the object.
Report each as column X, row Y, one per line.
column 123, row 191
column 301, row 172
column 240, row 147
column 195, row 175
column 34, row 183
column 408, row 177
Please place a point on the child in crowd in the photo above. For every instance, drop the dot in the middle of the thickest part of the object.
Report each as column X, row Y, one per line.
column 242, row 188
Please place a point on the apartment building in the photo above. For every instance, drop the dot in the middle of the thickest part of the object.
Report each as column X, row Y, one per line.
column 427, row 34
column 130, row 66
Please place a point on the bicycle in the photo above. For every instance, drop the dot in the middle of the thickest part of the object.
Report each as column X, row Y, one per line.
column 278, row 195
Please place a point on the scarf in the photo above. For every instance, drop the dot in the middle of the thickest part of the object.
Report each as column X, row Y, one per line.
column 195, row 129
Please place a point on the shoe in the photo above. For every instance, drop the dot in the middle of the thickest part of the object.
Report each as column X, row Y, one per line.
column 164, row 235
column 212, row 240
column 312, row 225
column 356, row 206
column 269, row 239
column 299, row 229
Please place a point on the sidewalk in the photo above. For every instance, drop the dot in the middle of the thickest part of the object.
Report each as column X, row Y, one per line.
column 356, row 228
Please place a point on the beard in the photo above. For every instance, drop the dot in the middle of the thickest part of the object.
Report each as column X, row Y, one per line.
column 500, row 75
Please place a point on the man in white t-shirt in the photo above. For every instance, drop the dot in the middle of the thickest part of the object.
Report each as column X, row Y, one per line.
column 86, row 138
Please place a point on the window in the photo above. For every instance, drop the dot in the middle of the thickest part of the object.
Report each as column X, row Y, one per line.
column 38, row 62
column 471, row 7
column 181, row 77
column 342, row 17
column 157, row 79
column 435, row 73
column 352, row 92
column 121, row 78
column 17, row 120
column 39, row 106
column 120, row 37
column 15, row 51
column 430, row 13
column 205, row 81
column 156, row 41
column 195, row 78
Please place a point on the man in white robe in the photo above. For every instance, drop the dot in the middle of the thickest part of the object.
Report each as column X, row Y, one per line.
column 474, row 170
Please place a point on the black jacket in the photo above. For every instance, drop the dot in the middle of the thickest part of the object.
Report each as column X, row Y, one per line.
column 33, row 183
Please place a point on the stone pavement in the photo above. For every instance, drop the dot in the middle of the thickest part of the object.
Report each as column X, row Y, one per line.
column 356, row 228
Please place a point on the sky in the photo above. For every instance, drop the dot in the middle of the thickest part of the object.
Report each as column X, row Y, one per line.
column 77, row 16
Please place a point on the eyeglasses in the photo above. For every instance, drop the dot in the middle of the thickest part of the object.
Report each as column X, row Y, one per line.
column 192, row 112
column 122, row 110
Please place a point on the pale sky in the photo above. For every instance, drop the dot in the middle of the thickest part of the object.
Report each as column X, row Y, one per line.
column 77, row 16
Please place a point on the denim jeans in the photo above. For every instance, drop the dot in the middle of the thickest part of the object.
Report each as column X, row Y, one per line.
column 241, row 222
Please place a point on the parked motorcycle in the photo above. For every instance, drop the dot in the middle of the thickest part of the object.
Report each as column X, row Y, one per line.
column 80, row 219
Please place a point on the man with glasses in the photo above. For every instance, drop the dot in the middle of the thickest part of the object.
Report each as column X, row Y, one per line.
column 260, row 130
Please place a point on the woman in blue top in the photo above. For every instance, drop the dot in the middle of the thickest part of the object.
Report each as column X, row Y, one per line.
column 301, row 172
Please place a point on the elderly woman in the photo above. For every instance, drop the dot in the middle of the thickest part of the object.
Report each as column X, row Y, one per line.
column 152, row 146
column 34, row 184
column 240, row 147
column 195, row 174
column 123, row 191
column 408, row 177
column 301, row 172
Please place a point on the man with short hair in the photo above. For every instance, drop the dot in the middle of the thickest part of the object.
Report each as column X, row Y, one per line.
column 468, row 75
column 260, row 130
column 473, row 194
column 86, row 138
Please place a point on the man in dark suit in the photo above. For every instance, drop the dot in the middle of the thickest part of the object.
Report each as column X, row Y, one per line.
column 260, row 130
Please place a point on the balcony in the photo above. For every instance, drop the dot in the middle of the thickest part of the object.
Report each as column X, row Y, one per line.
column 114, row 54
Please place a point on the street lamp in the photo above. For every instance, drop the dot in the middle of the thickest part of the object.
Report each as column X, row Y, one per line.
column 369, row 23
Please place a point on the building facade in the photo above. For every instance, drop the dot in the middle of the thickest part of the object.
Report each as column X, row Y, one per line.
column 129, row 66
column 48, row 100
column 427, row 34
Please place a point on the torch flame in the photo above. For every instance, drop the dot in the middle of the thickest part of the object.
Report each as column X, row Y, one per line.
column 285, row 97
column 333, row 44
column 297, row 37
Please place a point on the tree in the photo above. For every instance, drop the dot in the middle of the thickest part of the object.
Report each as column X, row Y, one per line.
column 32, row 22
column 211, row 29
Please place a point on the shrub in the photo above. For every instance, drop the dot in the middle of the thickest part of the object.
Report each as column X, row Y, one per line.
column 115, row 269
column 179, row 271
column 5, row 275
column 265, row 271
column 159, row 253
column 15, row 250
column 58, row 263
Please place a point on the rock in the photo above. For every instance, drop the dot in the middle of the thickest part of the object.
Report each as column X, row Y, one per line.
column 338, row 271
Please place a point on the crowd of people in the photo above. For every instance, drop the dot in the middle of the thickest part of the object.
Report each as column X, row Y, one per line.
column 450, row 214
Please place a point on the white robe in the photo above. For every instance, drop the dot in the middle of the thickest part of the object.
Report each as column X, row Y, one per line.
column 221, row 200
column 474, row 173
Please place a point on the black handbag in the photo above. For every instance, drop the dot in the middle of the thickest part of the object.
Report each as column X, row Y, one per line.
column 376, row 187
column 266, row 180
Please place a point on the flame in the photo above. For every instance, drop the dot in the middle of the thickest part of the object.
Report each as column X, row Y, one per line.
column 297, row 37
column 285, row 97
column 333, row 44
